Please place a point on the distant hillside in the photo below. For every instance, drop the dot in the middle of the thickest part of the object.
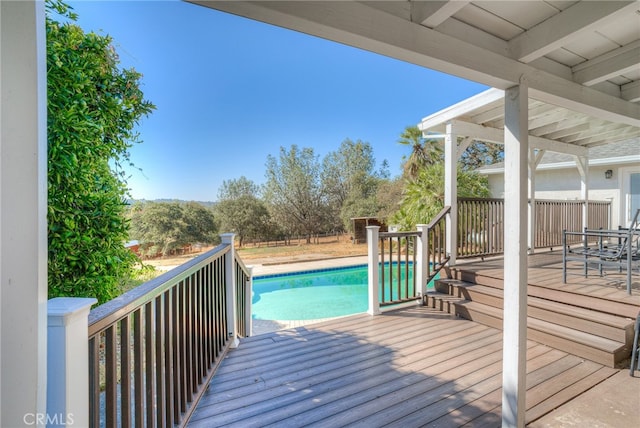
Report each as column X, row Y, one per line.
column 207, row 204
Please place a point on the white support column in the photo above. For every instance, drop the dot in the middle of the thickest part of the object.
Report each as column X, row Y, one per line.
column 531, row 191
column 248, row 320
column 23, row 209
column 372, row 262
column 68, row 361
column 534, row 161
column 451, row 191
column 230, row 281
column 582, row 162
column 515, row 257
column 421, row 270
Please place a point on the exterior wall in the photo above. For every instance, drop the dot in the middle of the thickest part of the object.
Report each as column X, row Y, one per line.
column 23, row 208
column 564, row 184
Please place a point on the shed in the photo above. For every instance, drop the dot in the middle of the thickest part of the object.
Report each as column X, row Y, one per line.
column 360, row 228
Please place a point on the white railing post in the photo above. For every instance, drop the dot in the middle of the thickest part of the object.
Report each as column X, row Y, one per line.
column 68, row 361
column 230, row 281
column 372, row 261
column 421, row 270
column 248, row 299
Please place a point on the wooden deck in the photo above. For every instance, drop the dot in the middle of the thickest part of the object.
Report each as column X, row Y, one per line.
column 591, row 317
column 545, row 269
column 413, row 367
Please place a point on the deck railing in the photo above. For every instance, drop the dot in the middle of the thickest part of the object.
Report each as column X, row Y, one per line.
column 436, row 246
column 481, row 223
column 553, row 217
column 243, row 281
column 401, row 264
column 480, row 227
column 480, row 233
column 153, row 350
column 397, row 261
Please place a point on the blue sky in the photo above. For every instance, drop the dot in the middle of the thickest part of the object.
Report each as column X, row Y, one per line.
column 230, row 91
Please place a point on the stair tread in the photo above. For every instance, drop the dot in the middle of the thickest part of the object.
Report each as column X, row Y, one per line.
column 613, row 320
column 602, row 304
column 442, row 295
column 555, row 329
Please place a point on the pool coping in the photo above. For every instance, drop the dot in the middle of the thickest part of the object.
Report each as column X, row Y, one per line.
column 260, row 270
column 297, row 272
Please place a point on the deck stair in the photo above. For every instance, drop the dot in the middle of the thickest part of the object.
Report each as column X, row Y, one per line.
column 590, row 327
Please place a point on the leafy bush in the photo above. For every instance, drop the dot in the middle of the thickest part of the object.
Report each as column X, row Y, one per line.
column 93, row 108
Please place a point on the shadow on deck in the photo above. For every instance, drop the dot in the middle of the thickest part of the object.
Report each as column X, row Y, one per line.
column 412, row 367
column 423, row 366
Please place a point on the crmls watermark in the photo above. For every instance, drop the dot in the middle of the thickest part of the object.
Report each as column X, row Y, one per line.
column 48, row 419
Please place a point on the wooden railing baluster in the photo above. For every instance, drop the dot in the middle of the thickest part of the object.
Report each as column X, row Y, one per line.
column 160, row 360
column 111, row 377
column 149, row 360
column 125, row 370
column 94, row 381
column 138, row 368
column 153, row 350
column 481, row 223
column 169, row 368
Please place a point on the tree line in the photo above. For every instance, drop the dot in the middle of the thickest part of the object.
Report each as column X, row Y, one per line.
column 306, row 196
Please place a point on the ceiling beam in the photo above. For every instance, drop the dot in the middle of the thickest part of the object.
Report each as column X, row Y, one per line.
column 359, row 25
column 494, row 113
column 546, row 119
column 433, row 13
column 606, row 66
column 606, row 134
column 465, row 32
column 495, row 135
column 568, row 131
column 631, row 91
column 559, row 124
column 566, row 26
column 537, row 110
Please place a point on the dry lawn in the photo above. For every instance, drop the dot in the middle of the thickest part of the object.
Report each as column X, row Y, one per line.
column 278, row 253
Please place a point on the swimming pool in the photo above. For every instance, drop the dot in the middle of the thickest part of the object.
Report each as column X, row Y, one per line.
column 322, row 293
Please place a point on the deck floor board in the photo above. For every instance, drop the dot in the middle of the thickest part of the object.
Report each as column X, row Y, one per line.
column 411, row 367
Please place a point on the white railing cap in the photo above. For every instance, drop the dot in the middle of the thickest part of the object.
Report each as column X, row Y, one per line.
column 62, row 310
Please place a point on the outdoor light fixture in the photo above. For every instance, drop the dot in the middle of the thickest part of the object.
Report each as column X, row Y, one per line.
column 608, row 174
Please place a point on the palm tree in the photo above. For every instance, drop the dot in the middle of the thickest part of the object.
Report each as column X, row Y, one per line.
column 424, row 152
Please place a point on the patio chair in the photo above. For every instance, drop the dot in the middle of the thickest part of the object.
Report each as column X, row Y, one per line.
column 619, row 251
column 605, row 248
column 635, row 351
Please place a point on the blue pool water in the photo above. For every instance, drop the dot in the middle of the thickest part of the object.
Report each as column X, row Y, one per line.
column 309, row 295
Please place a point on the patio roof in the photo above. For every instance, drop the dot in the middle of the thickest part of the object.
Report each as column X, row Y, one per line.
column 622, row 153
column 551, row 127
column 579, row 55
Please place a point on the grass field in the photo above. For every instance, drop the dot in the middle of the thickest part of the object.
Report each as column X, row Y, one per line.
column 276, row 253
